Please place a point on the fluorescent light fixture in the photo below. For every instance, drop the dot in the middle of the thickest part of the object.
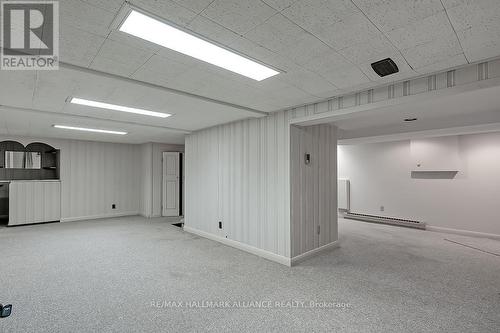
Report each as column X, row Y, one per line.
column 89, row 130
column 101, row 105
column 152, row 30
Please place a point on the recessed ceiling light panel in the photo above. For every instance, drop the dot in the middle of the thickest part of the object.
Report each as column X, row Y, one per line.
column 158, row 32
column 114, row 107
column 84, row 129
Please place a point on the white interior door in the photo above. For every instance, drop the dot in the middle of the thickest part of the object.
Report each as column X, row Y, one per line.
column 171, row 183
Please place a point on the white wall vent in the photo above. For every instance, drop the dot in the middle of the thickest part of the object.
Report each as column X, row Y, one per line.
column 385, row 220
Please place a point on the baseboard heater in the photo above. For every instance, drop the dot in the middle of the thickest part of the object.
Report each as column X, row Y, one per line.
column 384, row 220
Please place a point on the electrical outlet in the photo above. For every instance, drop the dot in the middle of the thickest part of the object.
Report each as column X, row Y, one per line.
column 113, row 206
column 382, row 208
column 307, row 158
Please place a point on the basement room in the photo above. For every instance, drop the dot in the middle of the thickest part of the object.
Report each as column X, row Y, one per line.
column 250, row 166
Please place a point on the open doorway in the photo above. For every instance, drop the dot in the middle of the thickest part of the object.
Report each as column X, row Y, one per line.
column 172, row 184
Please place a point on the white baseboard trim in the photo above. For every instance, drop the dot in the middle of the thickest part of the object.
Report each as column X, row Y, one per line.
column 98, row 216
column 312, row 253
column 241, row 246
column 462, row 232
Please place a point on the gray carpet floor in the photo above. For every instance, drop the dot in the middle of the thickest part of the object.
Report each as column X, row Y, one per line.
column 137, row 275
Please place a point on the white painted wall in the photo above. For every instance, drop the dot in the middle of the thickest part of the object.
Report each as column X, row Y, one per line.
column 313, row 187
column 94, row 175
column 380, row 175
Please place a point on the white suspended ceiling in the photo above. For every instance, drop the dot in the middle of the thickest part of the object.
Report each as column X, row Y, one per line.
column 323, row 47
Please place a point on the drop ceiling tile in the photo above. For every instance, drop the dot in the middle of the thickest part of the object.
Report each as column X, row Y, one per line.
column 195, row 80
column 78, row 47
column 212, row 31
column 433, row 52
column 111, row 5
column 353, row 29
column 239, row 16
column 124, row 54
column 82, row 15
column 480, row 43
column 228, row 92
column 179, row 57
column 431, row 28
column 262, row 54
column 165, row 66
column 161, row 71
column 344, row 77
column 196, row 6
column 389, row 14
column 213, row 73
column 448, row 63
column 453, row 3
column 168, row 10
column 313, row 15
column 211, row 84
column 292, row 96
column 50, row 94
column 153, row 77
column 375, row 48
column 306, row 48
column 280, row 4
column 287, row 39
column 21, row 86
column 111, row 66
column 483, row 3
column 482, row 15
column 271, row 84
column 327, row 61
column 328, row 94
column 132, row 41
column 309, row 82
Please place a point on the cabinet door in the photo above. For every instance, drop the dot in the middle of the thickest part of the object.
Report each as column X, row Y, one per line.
column 34, row 202
column 39, row 202
column 18, row 209
column 52, row 199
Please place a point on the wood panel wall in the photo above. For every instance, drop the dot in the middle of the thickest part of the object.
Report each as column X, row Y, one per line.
column 95, row 175
column 239, row 174
column 313, row 187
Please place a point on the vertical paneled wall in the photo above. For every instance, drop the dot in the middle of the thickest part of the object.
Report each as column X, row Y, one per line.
column 313, row 187
column 95, row 175
column 146, row 180
column 239, row 174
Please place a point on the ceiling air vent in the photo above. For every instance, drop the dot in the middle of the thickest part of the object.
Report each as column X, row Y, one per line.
column 385, row 67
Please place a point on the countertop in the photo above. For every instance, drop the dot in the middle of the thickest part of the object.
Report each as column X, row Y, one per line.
column 29, row 180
